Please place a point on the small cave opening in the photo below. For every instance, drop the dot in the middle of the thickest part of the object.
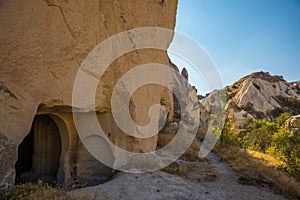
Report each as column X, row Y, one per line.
column 25, row 151
column 39, row 152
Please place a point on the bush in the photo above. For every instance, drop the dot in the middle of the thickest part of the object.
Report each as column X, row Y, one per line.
column 37, row 191
column 286, row 148
column 268, row 137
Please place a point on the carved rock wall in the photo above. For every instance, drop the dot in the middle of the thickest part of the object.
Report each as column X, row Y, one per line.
column 43, row 44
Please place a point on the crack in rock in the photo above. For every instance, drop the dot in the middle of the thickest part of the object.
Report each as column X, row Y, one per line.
column 63, row 16
column 6, row 90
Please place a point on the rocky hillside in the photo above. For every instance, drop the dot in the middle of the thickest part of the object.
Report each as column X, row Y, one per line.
column 260, row 96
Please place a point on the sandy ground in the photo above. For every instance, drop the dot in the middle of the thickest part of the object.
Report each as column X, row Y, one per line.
column 211, row 179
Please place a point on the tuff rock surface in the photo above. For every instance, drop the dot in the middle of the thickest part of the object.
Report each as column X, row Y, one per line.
column 256, row 96
column 43, row 44
column 293, row 124
column 260, row 95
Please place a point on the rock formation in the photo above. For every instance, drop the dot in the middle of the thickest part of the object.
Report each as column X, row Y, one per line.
column 177, row 112
column 293, row 124
column 259, row 96
column 185, row 95
column 43, row 43
column 184, row 73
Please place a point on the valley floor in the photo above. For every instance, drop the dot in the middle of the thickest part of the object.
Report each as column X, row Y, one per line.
column 209, row 179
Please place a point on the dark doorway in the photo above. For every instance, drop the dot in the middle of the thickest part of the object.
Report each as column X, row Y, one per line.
column 25, row 151
column 39, row 153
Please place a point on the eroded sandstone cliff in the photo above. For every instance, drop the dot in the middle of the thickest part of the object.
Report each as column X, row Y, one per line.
column 43, row 44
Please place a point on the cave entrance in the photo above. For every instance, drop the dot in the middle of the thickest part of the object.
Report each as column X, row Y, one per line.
column 39, row 152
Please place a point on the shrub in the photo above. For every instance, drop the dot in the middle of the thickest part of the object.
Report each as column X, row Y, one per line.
column 37, row 191
column 268, row 137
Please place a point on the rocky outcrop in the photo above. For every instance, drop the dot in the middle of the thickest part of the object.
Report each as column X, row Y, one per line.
column 43, row 43
column 296, row 86
column 293, row 124
column 263, row 95
column 177, row 112
column 260, row 95
column 257, row 96
column 184, row 73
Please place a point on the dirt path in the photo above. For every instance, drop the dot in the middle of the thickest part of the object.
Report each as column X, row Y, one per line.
column 211, row 179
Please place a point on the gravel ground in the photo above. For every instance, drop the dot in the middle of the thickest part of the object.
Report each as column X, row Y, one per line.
column 211, row 179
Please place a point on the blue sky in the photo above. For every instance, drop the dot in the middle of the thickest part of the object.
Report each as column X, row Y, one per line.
column 243, row 36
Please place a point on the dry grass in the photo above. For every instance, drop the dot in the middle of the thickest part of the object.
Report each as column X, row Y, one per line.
column 266, row 159
column 166, row 136
column 259, row 168
column 193, row 171
column 176, row 169
column 191, row 153
column 37, row 191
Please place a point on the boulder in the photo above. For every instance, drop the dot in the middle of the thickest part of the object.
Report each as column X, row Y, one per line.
column 293, row 122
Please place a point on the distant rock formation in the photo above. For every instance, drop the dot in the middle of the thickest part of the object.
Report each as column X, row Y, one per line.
column 258, row 96
column 186, row 95
column 296, row 86
column 184, row 73
column 293, row 124
column 43, row 44
column 176, row 108
column 261, row 95
column 266, row 95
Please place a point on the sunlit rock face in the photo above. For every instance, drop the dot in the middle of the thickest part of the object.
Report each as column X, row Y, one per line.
column 293, row 124
column 261, row 95
column 43, row 44
column 258, row 96
column 266, row 93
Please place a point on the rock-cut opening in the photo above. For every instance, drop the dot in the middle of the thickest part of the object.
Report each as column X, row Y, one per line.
column 39, row 152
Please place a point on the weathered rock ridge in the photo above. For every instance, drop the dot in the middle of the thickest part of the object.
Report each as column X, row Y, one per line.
column 43, row 44
column 260, row 95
